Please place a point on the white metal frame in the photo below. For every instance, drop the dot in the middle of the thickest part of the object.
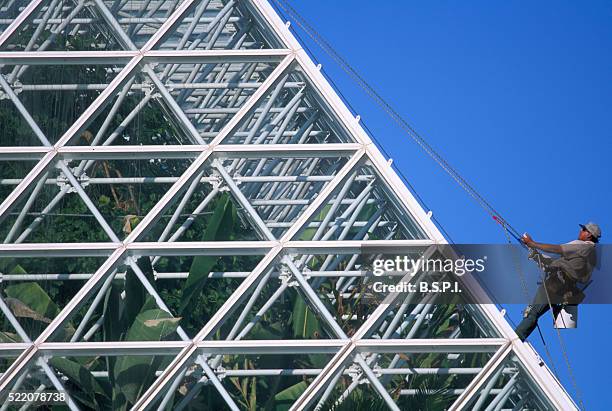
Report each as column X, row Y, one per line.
column 359, row 350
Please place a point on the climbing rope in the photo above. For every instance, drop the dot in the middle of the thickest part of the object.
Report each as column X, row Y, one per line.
column 425, row 146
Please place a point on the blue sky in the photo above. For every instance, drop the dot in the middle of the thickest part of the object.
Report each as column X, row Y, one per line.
column 518, row 97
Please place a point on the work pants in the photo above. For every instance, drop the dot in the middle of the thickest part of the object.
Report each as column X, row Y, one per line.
column 534, row 311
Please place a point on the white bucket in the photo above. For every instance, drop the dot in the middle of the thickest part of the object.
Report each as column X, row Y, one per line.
column 567, row 317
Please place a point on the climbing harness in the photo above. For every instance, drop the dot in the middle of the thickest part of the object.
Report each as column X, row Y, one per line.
column 421, row 142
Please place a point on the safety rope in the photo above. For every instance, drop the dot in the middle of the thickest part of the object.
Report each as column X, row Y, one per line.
column 425, row 146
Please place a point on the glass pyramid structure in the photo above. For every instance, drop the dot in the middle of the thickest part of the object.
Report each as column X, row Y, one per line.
column 185, row 203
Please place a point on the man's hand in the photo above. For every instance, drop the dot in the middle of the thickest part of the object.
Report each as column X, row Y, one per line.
column 527, row 240
column 549, row 248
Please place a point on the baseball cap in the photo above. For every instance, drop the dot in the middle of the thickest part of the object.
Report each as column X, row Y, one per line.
column 592, row 228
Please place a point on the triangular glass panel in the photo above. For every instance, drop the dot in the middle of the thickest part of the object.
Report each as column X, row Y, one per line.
column 206, row 210
column 137, row 114
column 335, row 279
column 363, row 208
column 50, row 202
column 281, row 187
column 278, row 309
column 293, row 112
column 36, row 289
column 510, row 387
column 54, row 96
column 57, row 203
column 211, row 94
column 211, row 280
column 63, row 26
column 218, row 25
column 141, row 20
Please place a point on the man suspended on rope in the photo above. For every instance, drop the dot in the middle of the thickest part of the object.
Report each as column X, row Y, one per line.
column 562, row 275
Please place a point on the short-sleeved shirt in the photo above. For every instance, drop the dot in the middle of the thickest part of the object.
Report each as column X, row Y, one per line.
column 577, row 260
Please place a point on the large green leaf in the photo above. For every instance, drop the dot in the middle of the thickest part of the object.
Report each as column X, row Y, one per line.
column 305, row 325
column 264, row 331
column 135, row 293
column 33, row 296
column 304, row 322
column 112, row 326
column 152, row 325
column 112, row 309
column 30, row 301
column 286, row 398
column 93, row 394
column 219, row 228
column 134, row 373
column 6, row 337
column 21, row 310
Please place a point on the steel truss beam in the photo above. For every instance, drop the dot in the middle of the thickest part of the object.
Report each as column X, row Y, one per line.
column 49, row 58
column 206, row 248
column 126, row 152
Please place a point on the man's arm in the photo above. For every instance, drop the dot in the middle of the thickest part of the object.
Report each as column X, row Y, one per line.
column 549, row 248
